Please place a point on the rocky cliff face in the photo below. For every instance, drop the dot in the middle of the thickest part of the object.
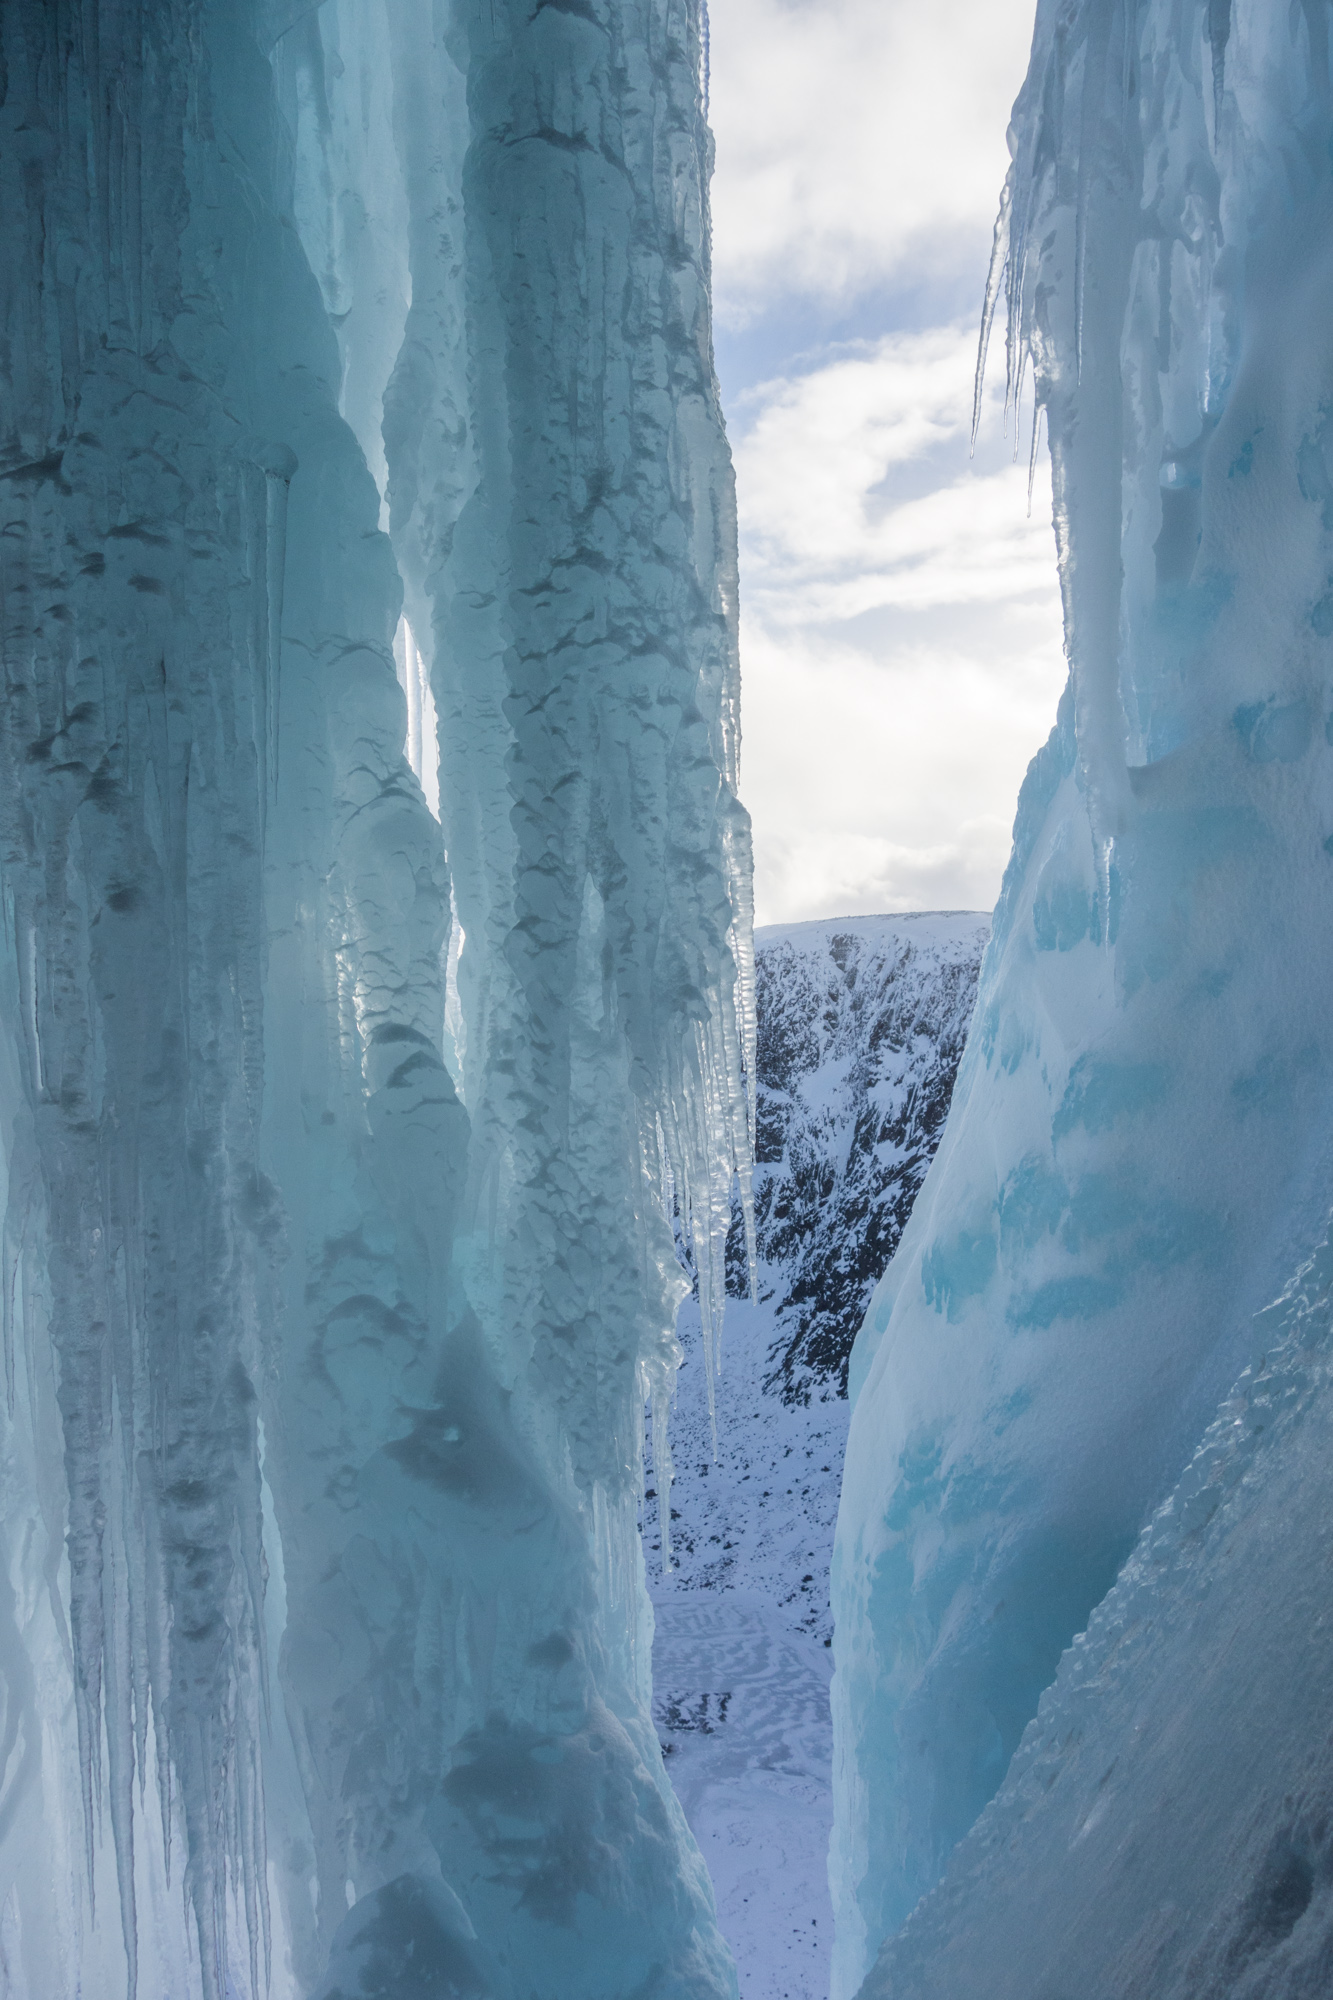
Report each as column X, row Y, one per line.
column 861, row 1025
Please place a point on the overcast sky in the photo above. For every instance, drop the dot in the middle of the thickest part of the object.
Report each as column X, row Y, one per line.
column 900, row 623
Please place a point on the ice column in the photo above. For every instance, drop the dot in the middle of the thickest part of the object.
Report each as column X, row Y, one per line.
column 323, row 1600
column 585, row 624
column 143, row 492
column 1136, row 1150
column 480, row 1768
column 574, row 558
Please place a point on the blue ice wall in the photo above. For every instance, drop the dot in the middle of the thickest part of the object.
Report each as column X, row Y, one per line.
column 324, row 1638
column 1164, row 1826
column 1136, row 1156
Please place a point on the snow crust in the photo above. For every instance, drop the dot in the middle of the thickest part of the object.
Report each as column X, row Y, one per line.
column 323, row 1628
column 1136, row 1156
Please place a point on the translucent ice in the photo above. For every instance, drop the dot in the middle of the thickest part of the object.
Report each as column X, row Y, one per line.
column 322, row 1631
column 1136, row 1152
column 1165, row 1826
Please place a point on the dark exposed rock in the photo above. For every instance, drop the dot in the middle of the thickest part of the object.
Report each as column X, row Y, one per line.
column 861, row 1026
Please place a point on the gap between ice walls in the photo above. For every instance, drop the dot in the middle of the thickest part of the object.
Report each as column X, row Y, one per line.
column 323, row 1631
column 1137, row 1156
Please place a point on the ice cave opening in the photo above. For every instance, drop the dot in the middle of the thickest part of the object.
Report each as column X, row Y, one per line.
column 395, row 1098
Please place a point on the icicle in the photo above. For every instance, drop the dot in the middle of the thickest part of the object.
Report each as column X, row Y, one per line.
column 999, row 260
column 1038, row 411
column 1219, row 33
column 12, row 1229
column 409, row 679
column 422, row 748
column 660, row 1387
column 30, row 1012
column 280, row 466
column 227, row 920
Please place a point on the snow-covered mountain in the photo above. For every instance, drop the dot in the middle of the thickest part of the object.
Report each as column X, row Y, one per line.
column 861, row 1024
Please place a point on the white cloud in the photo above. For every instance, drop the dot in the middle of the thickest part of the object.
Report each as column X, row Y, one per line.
column 885, row 778
column 858, row 492
column 855, row 136
column 901, row 643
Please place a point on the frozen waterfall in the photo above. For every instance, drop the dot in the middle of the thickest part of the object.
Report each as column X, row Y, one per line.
column 1137, row 1157
column 323, row 1631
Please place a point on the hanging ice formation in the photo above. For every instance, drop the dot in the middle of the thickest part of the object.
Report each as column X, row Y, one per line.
column 323, row 1636
column 1137, row 1153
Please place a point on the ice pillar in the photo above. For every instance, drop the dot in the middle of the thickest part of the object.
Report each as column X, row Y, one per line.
column 324, row 1597
column 144, row 490
column 1135, row 1157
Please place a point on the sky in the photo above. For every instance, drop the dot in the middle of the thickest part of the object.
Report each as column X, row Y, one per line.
column 901, row 653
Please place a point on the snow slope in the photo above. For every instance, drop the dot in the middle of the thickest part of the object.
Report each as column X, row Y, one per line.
column 861, row 1024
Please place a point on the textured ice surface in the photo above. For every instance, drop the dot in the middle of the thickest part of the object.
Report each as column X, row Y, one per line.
column 860, row 1025
column 1166, row 1827
column 1135, row 1159
column 323, row 1631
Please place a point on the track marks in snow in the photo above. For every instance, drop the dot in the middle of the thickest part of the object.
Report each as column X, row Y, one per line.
column 742, row 1710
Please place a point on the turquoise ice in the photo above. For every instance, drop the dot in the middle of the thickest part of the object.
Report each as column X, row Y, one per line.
column 1136, row 1157
column 357, row 369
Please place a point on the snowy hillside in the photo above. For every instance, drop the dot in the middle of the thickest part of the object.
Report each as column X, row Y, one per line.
column 861, row 1025
column 860, row 1031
